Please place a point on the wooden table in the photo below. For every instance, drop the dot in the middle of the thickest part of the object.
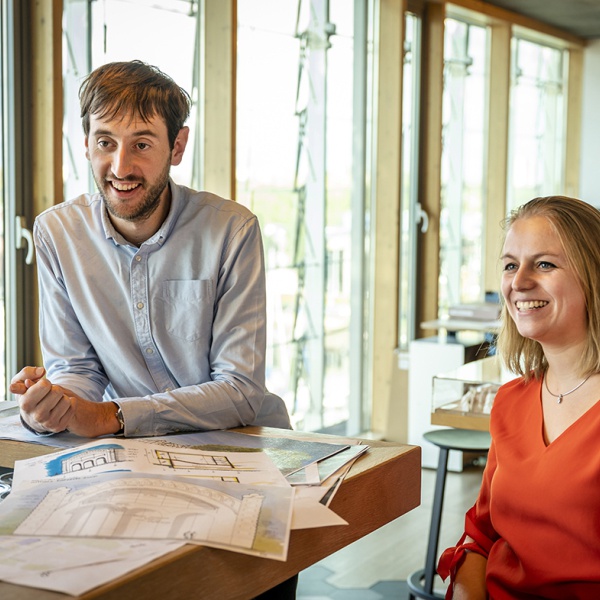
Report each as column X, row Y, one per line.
column 382, row 485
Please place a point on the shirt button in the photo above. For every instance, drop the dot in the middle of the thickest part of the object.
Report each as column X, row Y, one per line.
column 138, row 258
column 140, row 305
column 149, row 351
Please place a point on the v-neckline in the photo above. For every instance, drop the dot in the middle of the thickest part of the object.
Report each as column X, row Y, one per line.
column 542, row 421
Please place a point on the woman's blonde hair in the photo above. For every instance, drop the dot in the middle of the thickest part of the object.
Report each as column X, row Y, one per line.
column 577, row 225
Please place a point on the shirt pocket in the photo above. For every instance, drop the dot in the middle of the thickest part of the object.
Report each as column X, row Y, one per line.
column 187, row 308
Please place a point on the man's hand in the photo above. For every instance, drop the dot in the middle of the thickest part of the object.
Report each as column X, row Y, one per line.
column 23, row 380
column 51, row 408
column 44, row 407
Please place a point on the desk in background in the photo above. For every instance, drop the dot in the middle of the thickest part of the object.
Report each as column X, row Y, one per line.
column 486, row 374
column 427, row 358
column 458, row 342
column 453, row 326
column 382, row 485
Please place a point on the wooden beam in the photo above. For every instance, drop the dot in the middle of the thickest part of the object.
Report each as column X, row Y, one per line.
column 220, row 35
column 497, row 152
column 430, row 160
column 573, row 125
column 387, row 207
column 46, row 110
column 46, row 102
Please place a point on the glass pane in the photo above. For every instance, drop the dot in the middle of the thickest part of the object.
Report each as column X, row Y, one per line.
column 267, row 155
column 537, row 122
column 340, row 68
column 410, row 148
column 124, row 30
column 294, row 170
column 3, row 87
column 463, row 164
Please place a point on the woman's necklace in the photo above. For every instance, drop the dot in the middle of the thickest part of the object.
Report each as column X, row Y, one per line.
column 561, row 396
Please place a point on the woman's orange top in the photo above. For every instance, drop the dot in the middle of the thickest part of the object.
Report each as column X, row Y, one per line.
column 537, row 516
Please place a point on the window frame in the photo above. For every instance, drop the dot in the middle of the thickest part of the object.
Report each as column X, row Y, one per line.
column 20, row 285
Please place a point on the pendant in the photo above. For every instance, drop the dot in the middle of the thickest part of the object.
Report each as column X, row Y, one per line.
column 560, row 397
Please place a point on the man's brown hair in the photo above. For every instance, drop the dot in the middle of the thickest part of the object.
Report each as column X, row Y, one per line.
column 133, row 88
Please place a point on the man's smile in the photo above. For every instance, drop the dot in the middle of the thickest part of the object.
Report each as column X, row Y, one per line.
column 123, row 186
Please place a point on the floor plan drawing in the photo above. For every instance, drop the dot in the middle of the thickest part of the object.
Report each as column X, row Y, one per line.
column 196, row 464
column 178, row 459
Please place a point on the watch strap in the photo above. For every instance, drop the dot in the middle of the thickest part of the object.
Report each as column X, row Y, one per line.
column 119, row 415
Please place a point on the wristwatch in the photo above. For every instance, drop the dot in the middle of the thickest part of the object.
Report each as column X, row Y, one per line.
column 119, row 415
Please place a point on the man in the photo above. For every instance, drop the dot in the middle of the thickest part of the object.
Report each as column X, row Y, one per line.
column 152, row 296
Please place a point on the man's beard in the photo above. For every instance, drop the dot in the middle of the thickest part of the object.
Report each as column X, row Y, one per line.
column 145, row 208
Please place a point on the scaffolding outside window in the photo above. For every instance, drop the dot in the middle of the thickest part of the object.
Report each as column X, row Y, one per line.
column 295, row 148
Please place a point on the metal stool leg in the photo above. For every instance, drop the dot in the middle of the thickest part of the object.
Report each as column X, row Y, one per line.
column 436, row 519
column 420, row 583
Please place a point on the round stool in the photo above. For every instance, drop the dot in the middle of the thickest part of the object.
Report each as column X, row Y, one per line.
column 420, row 583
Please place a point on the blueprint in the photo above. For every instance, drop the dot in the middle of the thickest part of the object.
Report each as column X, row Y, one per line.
column 289, row 454
column 249, row 519
column 149, row 456
column 74, row 565
column 110, row 505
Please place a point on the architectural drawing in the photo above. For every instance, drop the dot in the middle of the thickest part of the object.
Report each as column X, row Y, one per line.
column 252, row 519
column 195, row 464
column 179, row 459
column 136, row 456
column 74, row 565
column 108, row 454
column 156, row 508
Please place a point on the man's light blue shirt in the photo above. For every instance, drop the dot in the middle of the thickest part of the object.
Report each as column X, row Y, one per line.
column 173, row 330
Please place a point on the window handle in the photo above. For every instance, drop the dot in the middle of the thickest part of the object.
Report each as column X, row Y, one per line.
column 22, row 234
column 423, row 218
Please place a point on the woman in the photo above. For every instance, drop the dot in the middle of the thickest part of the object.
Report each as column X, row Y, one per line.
column 534, row 531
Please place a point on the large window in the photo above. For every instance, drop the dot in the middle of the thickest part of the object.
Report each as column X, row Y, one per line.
column 463, row 163
column 297, row 130
column 295, row 150
column 270, row 175
column 537, row 121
